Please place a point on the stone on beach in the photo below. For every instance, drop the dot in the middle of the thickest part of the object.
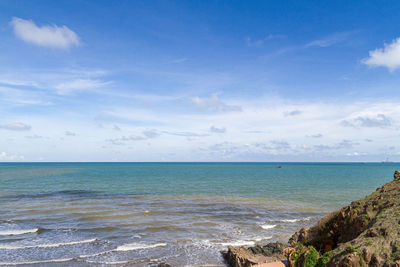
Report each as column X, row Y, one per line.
column 268, row 256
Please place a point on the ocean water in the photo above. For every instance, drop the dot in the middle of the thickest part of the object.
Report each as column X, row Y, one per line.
column 183, row 214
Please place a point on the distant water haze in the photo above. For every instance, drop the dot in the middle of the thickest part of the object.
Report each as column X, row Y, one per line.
column 178, row 213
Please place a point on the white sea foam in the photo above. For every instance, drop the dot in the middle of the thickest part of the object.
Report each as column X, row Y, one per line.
column 18, row 231
column 35, row 262
column 262, row 238
column 49, row 245
column 292, row 220
column 95, row 254
column 137, row 246
column 267, row 226
column 108, row 262
column 238, row 243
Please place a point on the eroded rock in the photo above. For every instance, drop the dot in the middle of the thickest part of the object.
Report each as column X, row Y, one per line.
column 364, row 233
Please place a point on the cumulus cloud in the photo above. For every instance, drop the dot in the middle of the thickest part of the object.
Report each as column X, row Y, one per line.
column 388, row 57
column 48, row 36
column 213, row 103
column 380, row 120
column 344, row 144
column 17, row 126
column 280, row 145
column 35, row 136
column 5, row 156
column 186, row 134
column 116, row 128
column 292, row 113
column 123, row 139
column 151, row 133
column 69, row 133
column 314, row 135
column 217, row 130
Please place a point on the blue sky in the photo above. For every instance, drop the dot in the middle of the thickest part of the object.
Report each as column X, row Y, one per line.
column 199, row 80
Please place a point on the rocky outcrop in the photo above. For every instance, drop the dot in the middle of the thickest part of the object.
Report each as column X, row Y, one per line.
column 364, row 233
column 396, row 176
column 258, row 256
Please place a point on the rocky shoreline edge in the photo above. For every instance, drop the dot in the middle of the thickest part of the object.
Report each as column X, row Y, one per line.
column 364, row 233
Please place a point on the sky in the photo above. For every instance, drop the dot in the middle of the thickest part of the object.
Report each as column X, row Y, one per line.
column 199, row 80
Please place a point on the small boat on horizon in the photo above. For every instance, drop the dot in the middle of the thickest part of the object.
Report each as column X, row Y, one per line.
column 387, row 161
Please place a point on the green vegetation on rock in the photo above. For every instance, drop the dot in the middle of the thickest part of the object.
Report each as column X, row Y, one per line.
column 311, row 258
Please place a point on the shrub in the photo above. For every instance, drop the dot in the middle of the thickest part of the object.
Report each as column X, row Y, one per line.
column 311, row 258
column 324, row 259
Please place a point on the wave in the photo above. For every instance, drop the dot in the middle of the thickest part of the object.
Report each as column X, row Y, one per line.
column 108, row 262
column 258, row 239
column 292, row 220
column 49, row 245
column 136, row 246
column 267, row 226
column 18, row 231
column 126, row 247
column 238, row 243
column 35, row 262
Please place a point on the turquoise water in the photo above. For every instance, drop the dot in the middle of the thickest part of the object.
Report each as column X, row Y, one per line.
column 178, row 213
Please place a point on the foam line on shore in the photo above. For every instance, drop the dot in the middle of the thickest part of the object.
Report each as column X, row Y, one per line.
column 49, row 245
column 35, row 262
column 18, row 231
column 108, row 262
column 137, row 246
column 258, row 239
column 125, row 247
column 238, row 243
column 292, row 220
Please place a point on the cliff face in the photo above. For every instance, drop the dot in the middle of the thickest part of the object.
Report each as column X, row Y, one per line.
column 364, row 233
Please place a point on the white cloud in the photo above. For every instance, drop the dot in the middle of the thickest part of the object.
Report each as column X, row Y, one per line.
column 315, row 135
column 17, row 126
column 69, row 133
column 79, row 84
column 5, row 156
column 330, row 40
column 388, row 57
column 48, row 36
column 292, row 113
column 217, row 130
column 151, row 133
column 380, row 120
column 260, row 42
column 35, row 136
column 213, row 103
column 123, row 139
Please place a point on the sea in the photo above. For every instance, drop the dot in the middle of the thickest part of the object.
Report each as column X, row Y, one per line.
column 181, row 214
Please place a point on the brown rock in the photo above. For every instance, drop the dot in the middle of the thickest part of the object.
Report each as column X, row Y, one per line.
column 364, row 233
column 396, row 176
column 242, row 257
